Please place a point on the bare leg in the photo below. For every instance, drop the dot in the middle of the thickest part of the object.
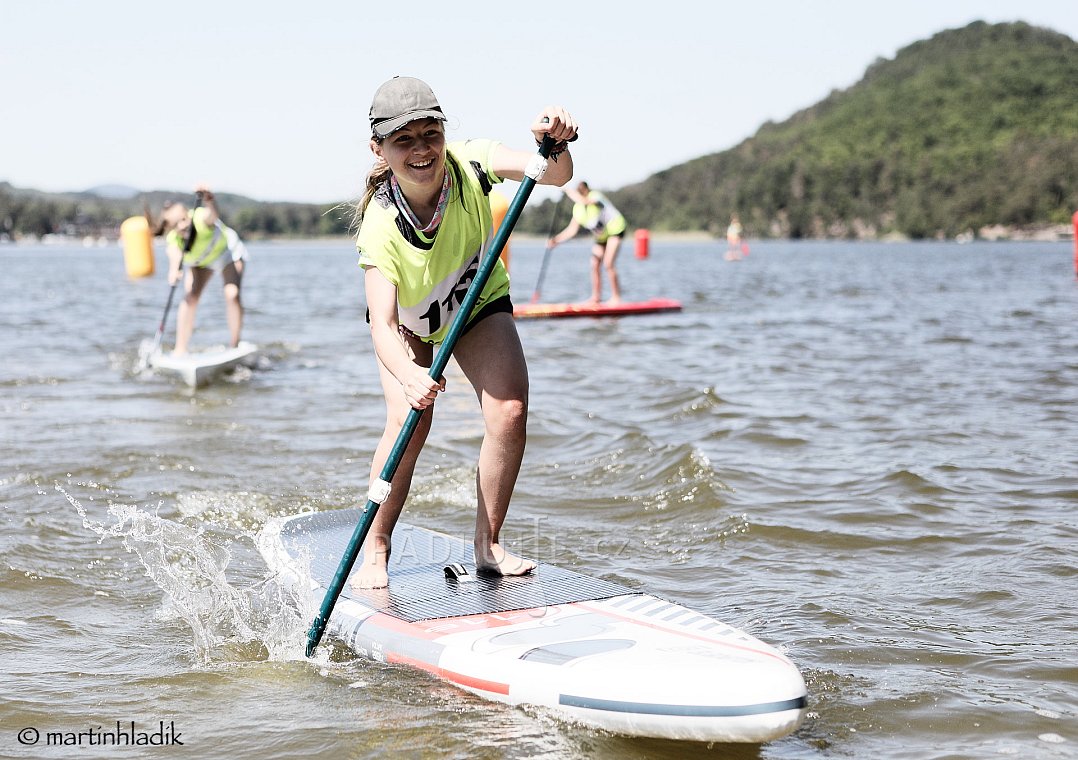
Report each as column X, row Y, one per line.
column 233, row 277
column 374, row 572
column 610, row 256
column 194, row 280
column 596, row 273
column 491, row 357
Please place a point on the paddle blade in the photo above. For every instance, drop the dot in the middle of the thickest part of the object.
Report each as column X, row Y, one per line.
column 147, row 348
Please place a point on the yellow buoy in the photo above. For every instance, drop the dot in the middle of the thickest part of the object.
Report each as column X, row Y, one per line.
column 138, row 246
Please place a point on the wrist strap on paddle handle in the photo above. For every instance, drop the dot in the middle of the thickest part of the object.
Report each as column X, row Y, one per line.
column 441, row 359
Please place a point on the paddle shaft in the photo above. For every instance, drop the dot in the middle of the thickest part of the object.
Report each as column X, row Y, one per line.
column 188, row 243
column 546, row 253
column 441, row 359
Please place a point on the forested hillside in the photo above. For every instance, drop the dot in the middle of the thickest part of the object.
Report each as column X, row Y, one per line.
column 973, row 127
column 29, row 212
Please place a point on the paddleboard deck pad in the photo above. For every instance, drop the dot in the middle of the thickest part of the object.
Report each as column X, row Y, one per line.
column 587, row 649
column 623, row 309
column 199, row 368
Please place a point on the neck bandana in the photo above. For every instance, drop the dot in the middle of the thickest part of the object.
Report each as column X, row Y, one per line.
column 439, row 210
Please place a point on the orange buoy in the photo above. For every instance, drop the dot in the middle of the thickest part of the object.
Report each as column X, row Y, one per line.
column 498, row 207
column 138, row 246
column 641, row 244
column 1075, row 220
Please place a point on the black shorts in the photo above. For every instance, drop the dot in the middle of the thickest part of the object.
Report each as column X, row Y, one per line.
column 500, row 305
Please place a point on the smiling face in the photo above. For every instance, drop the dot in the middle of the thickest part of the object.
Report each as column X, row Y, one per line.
column 175, row 217
column 416, row 155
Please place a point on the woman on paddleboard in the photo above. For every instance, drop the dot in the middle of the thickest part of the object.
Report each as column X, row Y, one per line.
column 197, row 239
column 594, row 212
column 425, row 222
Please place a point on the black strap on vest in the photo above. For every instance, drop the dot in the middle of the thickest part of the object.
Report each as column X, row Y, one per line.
column 189, row 242
column 482, row 177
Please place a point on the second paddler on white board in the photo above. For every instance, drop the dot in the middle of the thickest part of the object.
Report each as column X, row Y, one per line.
column 198, row 244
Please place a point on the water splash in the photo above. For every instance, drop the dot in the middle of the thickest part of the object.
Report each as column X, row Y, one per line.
column 252, row 618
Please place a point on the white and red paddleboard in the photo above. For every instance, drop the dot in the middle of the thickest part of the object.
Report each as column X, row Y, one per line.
column 586, row 649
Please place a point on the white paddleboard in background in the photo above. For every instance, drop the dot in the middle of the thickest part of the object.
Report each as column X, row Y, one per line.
column 199, row 368
column 588, row 650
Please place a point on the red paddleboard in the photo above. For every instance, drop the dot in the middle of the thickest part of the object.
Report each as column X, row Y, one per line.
column 623, row 309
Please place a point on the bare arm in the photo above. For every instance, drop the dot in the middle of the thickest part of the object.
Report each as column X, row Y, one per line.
column 510, row 164
column 574, row 196
column 418, row 386
column 567, row 234
column 175, row 256
column 209, row 202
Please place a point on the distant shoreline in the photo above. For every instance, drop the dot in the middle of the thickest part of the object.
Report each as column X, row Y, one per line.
column 1058, row 233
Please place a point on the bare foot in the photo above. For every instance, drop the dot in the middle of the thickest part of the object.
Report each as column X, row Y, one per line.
column 497, row 561
column 373, row 573
column 613, row 302
column 370, row 575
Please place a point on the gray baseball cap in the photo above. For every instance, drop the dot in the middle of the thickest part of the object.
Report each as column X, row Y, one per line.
column 401, row 100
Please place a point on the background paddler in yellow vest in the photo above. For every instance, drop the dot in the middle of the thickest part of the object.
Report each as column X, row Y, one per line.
column 214, row 246
column 594, row 212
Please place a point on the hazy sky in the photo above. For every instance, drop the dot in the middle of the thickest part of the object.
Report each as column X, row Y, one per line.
column 270, row 99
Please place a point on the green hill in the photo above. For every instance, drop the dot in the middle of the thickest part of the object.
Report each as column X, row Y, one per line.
column 975, row 126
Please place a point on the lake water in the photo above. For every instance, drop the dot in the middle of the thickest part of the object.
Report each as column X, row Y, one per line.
column 864, row 454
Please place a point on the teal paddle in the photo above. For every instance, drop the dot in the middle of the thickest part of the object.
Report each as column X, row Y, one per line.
column 380, row 490
column 147, row 351
column 546, row 253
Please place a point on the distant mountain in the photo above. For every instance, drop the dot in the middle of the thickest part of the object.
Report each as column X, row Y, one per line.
column 974, row 127
column 118, row 192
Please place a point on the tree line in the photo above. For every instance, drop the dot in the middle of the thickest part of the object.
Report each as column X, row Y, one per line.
column 33, row 213
column 973, row 127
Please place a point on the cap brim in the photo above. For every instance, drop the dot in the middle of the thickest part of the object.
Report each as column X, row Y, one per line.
column 389, row 126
